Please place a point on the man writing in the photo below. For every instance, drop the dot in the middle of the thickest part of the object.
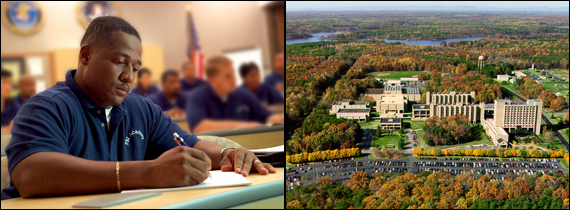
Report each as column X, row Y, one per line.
column 88, row 135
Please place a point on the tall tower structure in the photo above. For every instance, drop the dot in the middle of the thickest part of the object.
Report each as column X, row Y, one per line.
column 481, row 62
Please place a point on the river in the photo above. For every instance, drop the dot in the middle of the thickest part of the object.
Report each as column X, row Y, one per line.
column 316, row 36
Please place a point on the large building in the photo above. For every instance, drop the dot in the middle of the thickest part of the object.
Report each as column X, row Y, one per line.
column 513, row 117
column 391, row 101
column 348, row 104
column 447, row 104
column 518, row 117
column 357, row 114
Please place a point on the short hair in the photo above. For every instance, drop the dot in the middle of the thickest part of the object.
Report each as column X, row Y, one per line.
column 168, row 73
column 101, row 28
column 6, row 73
column 245, row 68
column 212, row 65
column 142, row 71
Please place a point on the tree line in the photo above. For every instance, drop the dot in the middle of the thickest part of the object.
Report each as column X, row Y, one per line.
column 323, row 155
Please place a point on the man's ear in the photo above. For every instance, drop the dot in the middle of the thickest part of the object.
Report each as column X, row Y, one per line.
column 85, row 54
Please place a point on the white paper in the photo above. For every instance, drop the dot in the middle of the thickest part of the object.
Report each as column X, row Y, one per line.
column 219, row 179
column 35, row 65
column 271, row 149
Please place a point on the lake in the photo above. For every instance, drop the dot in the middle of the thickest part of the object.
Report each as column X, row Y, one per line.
column 315, row 38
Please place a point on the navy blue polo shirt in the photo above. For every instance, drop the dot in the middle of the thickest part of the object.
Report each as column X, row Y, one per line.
column 273, row 79
column 203, row 103
column 266, row 94
column 20, row 100
column 160, row 99
column 151, row 90
column 187, row 86
column 11, row 107
column 63, row 119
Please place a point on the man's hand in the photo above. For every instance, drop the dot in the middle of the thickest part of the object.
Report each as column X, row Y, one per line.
column 179, row 166
column 279, row 86
column 240, row 160
column 248, row 125
column 276, row 119
column 174, row 112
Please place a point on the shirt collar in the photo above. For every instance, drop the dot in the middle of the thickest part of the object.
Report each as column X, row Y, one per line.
column 85, row 101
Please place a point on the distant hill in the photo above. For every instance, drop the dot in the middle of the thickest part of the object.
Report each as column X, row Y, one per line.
column 438, row 8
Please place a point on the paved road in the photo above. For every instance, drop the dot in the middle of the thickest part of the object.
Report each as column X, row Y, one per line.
column 560, row 137
column 350, row 166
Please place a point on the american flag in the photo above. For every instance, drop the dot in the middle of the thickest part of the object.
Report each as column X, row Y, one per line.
column 195, row 55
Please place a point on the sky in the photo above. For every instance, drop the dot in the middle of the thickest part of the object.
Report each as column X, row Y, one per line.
column 296, row 5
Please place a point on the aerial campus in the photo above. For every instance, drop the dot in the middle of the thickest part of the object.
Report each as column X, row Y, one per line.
column 465, row 124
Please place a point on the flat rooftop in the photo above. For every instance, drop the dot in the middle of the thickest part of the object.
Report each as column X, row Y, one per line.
column 489, row 106
column 375, row 91
column 354, row 110
column 387, row 120
column 397, row 87
column 412, row 90
column 419, row 106
column 393, row 99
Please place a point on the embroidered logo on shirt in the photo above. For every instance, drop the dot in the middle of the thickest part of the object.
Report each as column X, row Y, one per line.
column 135, row 132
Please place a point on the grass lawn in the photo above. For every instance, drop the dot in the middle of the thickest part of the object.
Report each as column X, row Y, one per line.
column 395, row 75
column 563, row 163
column 369, row 124
column 290, row 166
column 415, row 124
column 385, row 139
column 510, row 86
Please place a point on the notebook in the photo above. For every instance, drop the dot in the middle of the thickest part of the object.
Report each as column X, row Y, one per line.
column 219, row 179
column 270, row 150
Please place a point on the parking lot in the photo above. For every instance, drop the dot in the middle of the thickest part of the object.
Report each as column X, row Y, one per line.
column 498, row 168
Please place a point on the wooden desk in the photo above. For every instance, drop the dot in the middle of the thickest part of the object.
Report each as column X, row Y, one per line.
column 252, row 138
column 173, row 199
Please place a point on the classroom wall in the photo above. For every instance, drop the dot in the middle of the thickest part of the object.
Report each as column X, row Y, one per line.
column 220, row 26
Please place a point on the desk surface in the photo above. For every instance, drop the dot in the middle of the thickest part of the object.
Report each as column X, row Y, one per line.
column 166, row 199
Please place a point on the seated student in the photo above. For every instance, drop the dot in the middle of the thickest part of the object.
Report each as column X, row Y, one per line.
column 277, row 78
column 190, row 81
column 171, row 100
column 27, row 88
column 87, row 135
column 9, row 105
column 219, row 105
column 249, row 73
column 144, row 88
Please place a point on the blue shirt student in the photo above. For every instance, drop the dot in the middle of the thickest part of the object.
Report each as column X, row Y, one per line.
column 203, row 103
column 187, row 86
column 273, row 79
column 151, row 90
column 160, row 99
column 11, row 107
column 266, row 94
column 63, row 119
column 19, row 99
